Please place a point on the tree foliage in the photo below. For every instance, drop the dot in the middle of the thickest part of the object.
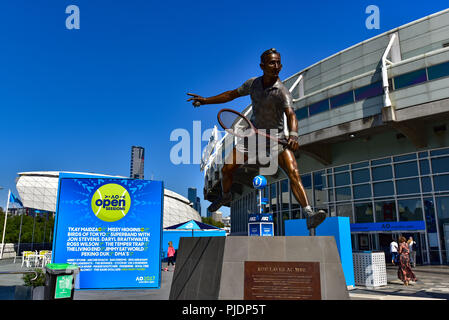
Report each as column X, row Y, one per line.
column 212, row 222
column 40, row 281
column 42, row 230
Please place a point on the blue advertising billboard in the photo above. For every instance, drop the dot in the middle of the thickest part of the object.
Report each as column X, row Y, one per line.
column 267, row 229
column 253, row 229
column 260, row 229
column 111, row 229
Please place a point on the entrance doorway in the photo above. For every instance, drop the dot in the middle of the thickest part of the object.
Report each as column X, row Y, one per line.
column 420, row 247
column 384, row 243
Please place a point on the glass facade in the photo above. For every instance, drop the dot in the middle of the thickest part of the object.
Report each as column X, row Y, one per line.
column 408, row 187
column 385, row 211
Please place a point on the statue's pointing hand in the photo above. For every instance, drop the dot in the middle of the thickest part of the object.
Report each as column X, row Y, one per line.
column 197, row 100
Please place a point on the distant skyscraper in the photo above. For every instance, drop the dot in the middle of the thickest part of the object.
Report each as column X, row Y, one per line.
column 191, row 195
column 209, row 214
column 198, row 205
column 137, row 159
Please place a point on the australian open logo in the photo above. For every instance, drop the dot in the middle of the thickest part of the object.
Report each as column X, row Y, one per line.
column 111, row 202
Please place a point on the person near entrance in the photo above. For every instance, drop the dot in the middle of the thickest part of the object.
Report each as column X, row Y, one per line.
column 405, row 273
column 394, row 251
column 270, row 101
column 412, row 247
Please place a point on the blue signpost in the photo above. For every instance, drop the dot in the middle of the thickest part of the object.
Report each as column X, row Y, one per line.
column 111, row 229
column 260, row 224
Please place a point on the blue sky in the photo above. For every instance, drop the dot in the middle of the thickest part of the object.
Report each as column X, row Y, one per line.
column 77, row 100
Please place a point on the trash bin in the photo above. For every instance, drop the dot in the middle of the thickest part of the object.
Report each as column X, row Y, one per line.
column 60, row 281
column 369, row 268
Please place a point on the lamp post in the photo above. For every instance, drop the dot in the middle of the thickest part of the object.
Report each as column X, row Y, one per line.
column 260, row 182
column 4, row 226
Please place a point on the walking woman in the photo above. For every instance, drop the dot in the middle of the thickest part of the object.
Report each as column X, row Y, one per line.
column 170, row 254
column 405, row 273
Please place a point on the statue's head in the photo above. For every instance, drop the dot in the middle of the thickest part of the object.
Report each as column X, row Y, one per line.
column 270, row 62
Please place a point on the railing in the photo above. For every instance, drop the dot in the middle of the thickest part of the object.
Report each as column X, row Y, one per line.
column 30, row 246
column 21, row 272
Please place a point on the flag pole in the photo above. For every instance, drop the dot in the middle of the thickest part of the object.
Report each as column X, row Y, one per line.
column 20, row 234
column 34, row 227
column 4, row 226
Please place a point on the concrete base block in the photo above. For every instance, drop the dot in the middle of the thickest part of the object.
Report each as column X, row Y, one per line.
column 214, row 268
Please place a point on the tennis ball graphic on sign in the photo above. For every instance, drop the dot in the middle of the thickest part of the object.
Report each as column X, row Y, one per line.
column 111, row 202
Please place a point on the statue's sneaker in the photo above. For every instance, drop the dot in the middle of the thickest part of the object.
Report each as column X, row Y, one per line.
column 220, row 201
column 315, row 218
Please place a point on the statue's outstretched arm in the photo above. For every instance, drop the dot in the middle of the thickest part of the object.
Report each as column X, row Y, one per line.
column 221, row 98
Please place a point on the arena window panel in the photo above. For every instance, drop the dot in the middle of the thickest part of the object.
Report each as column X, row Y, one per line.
column 410, row 78
column 342, row 99
column 319, row 107
column 438, row 71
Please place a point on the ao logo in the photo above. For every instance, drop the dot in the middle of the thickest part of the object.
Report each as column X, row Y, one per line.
column 111, row 202
column 259, row 182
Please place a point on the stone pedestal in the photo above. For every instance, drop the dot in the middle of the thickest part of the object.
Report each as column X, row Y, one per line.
column 232, row 268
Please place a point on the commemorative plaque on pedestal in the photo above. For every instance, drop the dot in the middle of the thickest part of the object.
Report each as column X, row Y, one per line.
column 268, row 280
column 258, row 268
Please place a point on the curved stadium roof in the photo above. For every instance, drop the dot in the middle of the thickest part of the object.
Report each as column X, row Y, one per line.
column 39, row 189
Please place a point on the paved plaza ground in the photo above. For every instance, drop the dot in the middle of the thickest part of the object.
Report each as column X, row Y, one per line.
column 432, row 284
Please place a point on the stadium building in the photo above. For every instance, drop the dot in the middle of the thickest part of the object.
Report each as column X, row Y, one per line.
column 39, row 190
column 374, row 144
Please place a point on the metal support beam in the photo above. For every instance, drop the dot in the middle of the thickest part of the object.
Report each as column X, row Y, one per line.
column 393, row 39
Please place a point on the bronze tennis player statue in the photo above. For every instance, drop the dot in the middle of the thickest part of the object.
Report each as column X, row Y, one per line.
column 270, row 100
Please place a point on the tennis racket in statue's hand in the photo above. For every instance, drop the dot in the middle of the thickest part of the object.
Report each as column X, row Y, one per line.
column 238, row 125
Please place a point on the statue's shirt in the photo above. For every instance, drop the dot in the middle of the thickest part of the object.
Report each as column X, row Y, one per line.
column 268, row 104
